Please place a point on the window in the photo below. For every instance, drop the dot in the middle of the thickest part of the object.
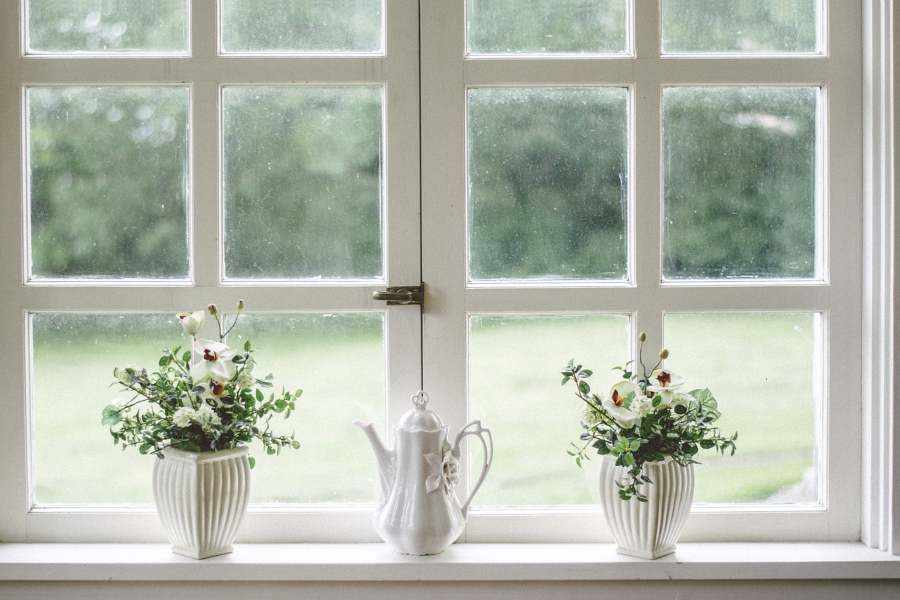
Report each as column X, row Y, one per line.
column 560, row 178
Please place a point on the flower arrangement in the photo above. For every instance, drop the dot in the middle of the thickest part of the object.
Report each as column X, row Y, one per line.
column 203, row 399
column 646, row 417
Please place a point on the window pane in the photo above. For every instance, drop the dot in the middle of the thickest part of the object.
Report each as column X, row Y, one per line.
column 548, row 26
column 740, row 182
column 744, row 26
column 310, row 351
column 303, row 182
column 300, row 26
column 108, row 182
column 107, row 26
column 548, row 183
column 338, row 361
column 761, row 368
column 514, row 389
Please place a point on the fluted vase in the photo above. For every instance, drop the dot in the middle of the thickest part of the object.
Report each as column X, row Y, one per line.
column 647, row 529
column 201, row 499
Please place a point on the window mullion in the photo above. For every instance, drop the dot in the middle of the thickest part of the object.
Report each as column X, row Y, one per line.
column 645, row 179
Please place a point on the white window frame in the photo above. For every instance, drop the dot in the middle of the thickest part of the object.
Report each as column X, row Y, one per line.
column 836, row 295
column 205, row 70
column 858, row 503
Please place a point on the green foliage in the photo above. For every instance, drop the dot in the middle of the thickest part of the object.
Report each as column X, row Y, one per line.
column 108, row 25
column 108, row 181
column 645, row 420
column 552, row 26
column 740, row 182
column 739, row 25
column 304, row 25
column 548, row 180
column 170, row 408
column 548, row 184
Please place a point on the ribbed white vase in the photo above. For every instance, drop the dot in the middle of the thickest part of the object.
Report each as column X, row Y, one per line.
column 201, row 499
column 647, row 529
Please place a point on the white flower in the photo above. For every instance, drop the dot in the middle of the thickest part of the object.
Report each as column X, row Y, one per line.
column 191, row 322
column 184, row 416
column 663, row 380
column 213, row 391
column 207, row 418
column 623, row 393
column 642, row 406
column 215, row 362
column 621, row 404
column 623, row 416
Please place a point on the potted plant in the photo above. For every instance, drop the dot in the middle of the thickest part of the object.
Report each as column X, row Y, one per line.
column 648, row 432
column 196, row 412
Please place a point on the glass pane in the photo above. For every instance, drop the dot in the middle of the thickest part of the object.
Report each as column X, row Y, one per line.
column 548, row 172
column 770, row 397
column 302, row 26
column 739, row 26
column 514, row 389
column 310, row 351
column 740, row 182
column 339, row 362
column 107, row 26
column 303, row 182
column 108, row 181
column 548, row 26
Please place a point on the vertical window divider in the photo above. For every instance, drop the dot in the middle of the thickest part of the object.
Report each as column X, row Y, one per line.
column 206, row 207
column 647, row 178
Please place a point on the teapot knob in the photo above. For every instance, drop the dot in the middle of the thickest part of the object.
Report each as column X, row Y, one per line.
column 420, row 399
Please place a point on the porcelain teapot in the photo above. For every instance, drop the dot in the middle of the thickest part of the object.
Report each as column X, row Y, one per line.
column 419, row 512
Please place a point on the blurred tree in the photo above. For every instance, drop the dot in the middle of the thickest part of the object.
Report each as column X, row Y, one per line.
column 302, row 180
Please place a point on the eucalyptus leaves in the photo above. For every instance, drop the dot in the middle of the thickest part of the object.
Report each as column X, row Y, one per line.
column 202, row 399
column 646, row 417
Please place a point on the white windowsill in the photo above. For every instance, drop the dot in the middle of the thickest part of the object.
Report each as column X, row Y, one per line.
column 462, row 562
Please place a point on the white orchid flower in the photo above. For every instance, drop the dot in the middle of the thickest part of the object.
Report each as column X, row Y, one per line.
column 623, row 393
column 212, row 392
column 191, row 322
column 623, row 416
column 214, row 362
column 663, row 380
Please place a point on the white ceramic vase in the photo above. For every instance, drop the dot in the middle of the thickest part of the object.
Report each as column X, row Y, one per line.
column 647, row 529
column 201, row 499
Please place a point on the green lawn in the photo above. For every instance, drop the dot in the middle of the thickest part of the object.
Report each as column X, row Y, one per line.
column 758, row 366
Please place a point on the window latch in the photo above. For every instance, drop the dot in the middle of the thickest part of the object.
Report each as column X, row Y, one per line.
column 403, row 295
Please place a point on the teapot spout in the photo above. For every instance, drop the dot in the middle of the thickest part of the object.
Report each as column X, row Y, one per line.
column 384, row 457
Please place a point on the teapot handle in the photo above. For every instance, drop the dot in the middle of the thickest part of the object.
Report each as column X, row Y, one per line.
column 487, row 441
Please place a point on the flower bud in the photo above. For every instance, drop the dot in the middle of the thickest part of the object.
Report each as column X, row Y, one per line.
column 664, row 354
column 191, row 322
column 213, row 310
column 643, row 337
column 240, row 305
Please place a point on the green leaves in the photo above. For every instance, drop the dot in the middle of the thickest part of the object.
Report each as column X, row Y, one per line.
column 169, row 409
column 111, row 415
column 676, row 432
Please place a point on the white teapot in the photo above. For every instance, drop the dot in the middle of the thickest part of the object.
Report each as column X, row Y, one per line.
column 419, row 512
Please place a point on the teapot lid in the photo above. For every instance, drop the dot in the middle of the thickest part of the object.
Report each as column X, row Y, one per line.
column 420, row 418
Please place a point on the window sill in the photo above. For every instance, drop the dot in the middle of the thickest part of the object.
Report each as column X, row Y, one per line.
column 462, row 562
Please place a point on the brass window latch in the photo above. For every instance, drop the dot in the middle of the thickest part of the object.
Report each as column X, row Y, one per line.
column 403, row 295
